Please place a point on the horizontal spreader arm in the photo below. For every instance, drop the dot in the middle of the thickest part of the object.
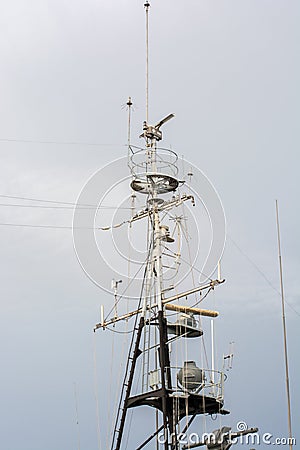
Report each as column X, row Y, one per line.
column 165, row 301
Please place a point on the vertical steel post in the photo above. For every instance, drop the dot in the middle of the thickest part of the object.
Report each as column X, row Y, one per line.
column 284, row 332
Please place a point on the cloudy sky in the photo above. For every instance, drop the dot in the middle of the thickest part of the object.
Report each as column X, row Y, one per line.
column 229, row 70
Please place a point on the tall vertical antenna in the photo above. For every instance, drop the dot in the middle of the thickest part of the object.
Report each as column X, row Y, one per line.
column 212, row 352
column 129, row 105
column 284, row 333
column 147, row 6
column 77, row 416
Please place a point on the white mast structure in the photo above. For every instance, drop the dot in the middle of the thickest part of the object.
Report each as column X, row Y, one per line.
column 177, row 392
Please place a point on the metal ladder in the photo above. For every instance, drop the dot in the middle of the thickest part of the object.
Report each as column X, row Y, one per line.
column 134, row 352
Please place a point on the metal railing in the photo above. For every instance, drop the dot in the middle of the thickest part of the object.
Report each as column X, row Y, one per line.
column 141, row 162
column 211, row 383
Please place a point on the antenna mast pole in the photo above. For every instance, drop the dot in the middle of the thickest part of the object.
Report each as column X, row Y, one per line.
column 284, row 332
column 152, row 135
column 147, row 6
column 129, row 104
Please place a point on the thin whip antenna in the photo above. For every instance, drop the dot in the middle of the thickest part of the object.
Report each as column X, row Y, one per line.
column 212, row 353
column 129, row 105
column 77, row 416
column 284, row 334
column 147, row 6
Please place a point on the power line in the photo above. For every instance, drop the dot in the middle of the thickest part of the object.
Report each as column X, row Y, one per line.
column 34, row 141
column 64, row 207
column 42, row 200
column 80, row 205
column 26, row 225
column 262, row 274
column 72, row 207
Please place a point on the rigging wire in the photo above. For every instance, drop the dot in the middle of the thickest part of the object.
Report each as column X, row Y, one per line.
column 65, row 207
column 110, row 413
column 34, row 141
column 85, row 205
column 131, row 417
column 119, row 332
column 139, row 374
column 262, row 274
column 77, row 416
column 129, row 284
column 192, row 266
column 118, row 408
column 203, row 297
column 41, row 200
column 44, row 226
column 96, row 394
column 185, row 233
column 63, row 227
column 117, row 388
column 128, row 275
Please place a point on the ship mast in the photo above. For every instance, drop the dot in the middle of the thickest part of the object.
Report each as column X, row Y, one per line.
column 176, row 392
column 154, row 176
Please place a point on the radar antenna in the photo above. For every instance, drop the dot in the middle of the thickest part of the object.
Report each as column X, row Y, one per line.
column 153, row 132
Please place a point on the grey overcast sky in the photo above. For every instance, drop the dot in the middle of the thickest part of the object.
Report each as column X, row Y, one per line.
column 229, row 70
